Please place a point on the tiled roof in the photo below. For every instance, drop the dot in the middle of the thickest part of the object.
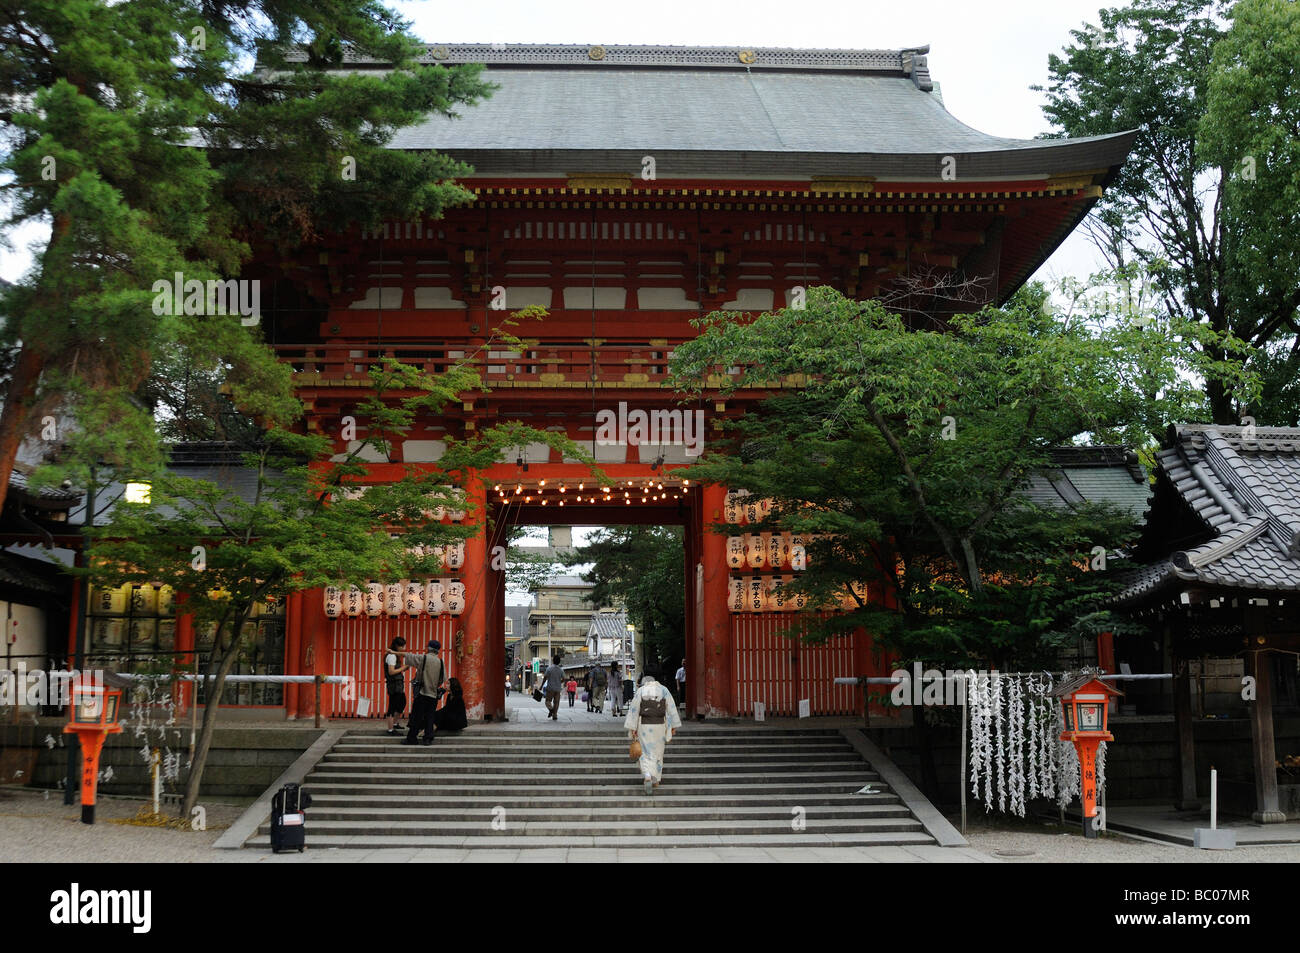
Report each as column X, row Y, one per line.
column 1241, row 487
column 1099, row 474
column 726, row 112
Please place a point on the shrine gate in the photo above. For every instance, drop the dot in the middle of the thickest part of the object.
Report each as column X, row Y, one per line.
column 630, row 190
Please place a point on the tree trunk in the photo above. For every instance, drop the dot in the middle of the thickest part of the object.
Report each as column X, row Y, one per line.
column 213, row 703
column 14, row 417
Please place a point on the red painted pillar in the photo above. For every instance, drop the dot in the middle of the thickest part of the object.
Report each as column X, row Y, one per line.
column 292, row 653
column 472, row 660
column 714, row 667
column 316, row 645
column 184, row 643
column 495, row 639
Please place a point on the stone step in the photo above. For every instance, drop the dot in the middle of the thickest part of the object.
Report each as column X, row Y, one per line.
column 394, row 745
column 650, row 809
column 616, row 785
column 437, row 764
column 383, row 798
column 558, row 733
column 623, row 826
column 505, row 840
column 435, row 777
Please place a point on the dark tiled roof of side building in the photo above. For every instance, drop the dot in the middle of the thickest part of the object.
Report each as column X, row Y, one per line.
column 1098, row 474
column 1233, row 494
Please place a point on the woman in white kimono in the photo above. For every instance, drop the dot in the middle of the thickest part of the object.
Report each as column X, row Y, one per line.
column 651, row 719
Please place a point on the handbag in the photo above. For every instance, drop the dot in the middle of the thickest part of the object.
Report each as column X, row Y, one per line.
column 537, row 694
column 634, row 750
column 585, row 696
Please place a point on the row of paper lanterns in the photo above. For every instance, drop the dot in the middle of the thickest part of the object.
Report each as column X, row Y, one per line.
column 768, row 594
column 742, row 507
column 410, row 597
column 451, row 556
column 770, row 550
column 356, row 491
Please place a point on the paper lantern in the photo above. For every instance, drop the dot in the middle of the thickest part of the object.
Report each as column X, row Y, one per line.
column 414, row 603
column 333, row 602
column 755, row 600
column 770, row 585
column 777, row 600
column 393, row 599
column 435, row 597
column 785, row 549
column 765, row 507
column 455, row 597
column 735, row 551
column 751, row 509
column 798, row 601
column 772, row 546
column 354, row 601
column 731, row 508
column 736, row 595
column 754, row 554
column 110, row 601
column 456, row 555
column 374, row 599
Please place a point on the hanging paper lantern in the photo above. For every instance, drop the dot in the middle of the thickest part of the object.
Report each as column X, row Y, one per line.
column 765, row 507
column 754, row 554
column 798, row 558
column 785, row 549
column 166, row 600
column 770, row 585
column 333, row 602
column 435, row 597
column 456, row 510
column 860, row 590
column 772, row 547
column 731, row 509
column 735, row 551
column 751, row 509
column 776, row 600
column 455, row 597
column 354, row 601
column 755, row 601
column 393, row 596
column 736, row 595
column 414, row 604
column 374, row 599
column 456, row 555
column 110, row 601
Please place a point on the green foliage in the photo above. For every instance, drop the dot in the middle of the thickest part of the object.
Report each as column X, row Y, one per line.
column 138, row 133
column 1220, row 249
column 914, row 448
column 641, row 568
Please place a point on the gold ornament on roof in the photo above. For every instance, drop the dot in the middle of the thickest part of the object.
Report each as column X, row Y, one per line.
column 747, row 56
column 596, row 52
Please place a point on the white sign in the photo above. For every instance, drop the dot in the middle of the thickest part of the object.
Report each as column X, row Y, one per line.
column 760, row 711
column 805, row 708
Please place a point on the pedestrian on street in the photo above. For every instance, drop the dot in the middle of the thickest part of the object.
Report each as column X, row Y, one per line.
column 615, row 692
column 651, row 721
column 571, row 686
column 395, row 684
column 554, row 682
column 589, row 689
column 598, row 681
column 507, row 688
column 681, row 684
column 427, row 687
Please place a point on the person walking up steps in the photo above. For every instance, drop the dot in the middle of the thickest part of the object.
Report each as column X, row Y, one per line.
column 598, row 682
column 554, row 682
column 651, row 721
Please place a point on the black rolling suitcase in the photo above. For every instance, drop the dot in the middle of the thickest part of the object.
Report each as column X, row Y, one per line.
column 289, row 819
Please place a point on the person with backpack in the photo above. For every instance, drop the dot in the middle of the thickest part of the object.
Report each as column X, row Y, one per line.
column 651, row 721
column 599, row 682
column 395, row 684
column 427, row 688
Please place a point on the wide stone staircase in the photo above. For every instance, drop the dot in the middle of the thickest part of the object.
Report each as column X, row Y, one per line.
column 492, row 787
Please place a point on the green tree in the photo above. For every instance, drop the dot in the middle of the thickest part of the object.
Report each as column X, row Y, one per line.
column 918, row 446
column 1173, row 207
column 304, row 527
column 139, row 133
column 642, row 568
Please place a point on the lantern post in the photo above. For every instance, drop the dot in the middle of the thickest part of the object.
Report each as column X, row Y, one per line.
column 95, row 713
column 1085, row 703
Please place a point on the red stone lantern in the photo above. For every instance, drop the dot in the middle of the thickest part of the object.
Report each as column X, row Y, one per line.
column 1085, row 701
column 94, row 717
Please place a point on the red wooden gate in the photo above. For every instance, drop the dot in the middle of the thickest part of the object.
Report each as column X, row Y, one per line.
column 779, row 671
column 358, row 646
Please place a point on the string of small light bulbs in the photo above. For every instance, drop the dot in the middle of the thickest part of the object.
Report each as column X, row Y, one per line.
column 560, row 492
